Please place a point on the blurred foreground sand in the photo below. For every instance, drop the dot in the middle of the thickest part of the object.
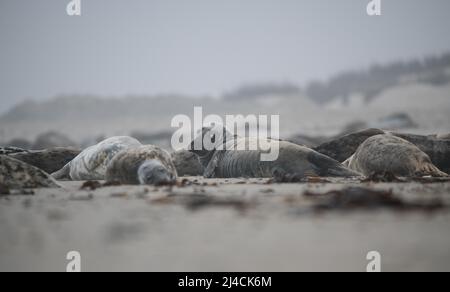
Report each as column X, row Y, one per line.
column 263, row 227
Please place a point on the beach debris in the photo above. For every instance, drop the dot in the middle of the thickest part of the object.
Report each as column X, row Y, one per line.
column 297, row 178
column 91, row 185
column 352, row 198
column 200, row 201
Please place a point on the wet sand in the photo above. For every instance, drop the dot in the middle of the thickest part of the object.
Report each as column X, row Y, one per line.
column 225, row 225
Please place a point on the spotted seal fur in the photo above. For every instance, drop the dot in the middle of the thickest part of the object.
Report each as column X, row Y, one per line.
column 148, row 165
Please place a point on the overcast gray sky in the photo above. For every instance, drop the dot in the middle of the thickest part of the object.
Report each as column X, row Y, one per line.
column 120, row 47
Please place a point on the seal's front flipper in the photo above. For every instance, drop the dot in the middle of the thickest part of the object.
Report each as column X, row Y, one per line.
column 210, row 170
column 63, row 173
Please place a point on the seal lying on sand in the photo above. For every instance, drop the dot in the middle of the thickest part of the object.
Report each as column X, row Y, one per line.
column 187, row 163
column 342, row 148
column 49, row 160
column 436, row 148
column 16, row 174
column 91, row 163
column 149, row 165
column 223, row 161
column 388, row 153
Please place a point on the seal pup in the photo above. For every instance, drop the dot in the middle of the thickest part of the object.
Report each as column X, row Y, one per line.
column 187, row 163
column 147, row 165
column 224, row 161
column 49, row 160
column 91, row 163
column 16, row 174
column 389, row 153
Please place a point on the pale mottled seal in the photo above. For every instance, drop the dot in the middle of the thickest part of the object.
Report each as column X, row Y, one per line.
column 435, row 147
column 16, row 174
column 388, row 153
column 187, row 163
column 49, row 160
column 292, row 159
column 91, row 163
column 149, row 165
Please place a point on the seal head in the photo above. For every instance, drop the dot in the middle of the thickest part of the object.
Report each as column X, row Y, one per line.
column 153, row 172
column 211, row 139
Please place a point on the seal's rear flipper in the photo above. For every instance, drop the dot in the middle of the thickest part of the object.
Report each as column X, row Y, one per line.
column 342, row 171
column 63, row 173
column 326, row 166
column 427, row 169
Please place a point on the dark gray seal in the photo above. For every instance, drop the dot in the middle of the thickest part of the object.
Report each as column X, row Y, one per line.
column 15, row 174
column 49, row 160
column 343, row 147
column 147, row 165
column 224, row 161
column 91, row 163
column 389, row 153
column 187, row 163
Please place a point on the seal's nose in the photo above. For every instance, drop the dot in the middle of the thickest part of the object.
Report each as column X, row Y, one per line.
column 165, row 179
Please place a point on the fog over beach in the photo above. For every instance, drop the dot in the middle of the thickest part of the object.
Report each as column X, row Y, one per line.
column 200, row 48
column 418, row 89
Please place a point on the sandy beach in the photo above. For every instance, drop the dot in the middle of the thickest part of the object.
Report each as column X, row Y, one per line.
column 223, row 225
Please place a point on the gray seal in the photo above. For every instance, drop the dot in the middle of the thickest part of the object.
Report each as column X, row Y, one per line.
column 187, row 163
column 147, row 165
column 389, row 153
column 91, row 163
column 343, row 147
column 436, row 147
column 224, row 161
column 16, row 174
column 49, row 160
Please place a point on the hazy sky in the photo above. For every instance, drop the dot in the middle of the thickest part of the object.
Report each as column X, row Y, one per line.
column 120, row 47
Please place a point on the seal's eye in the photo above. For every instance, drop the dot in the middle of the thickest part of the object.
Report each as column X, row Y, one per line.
column 213, row 139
